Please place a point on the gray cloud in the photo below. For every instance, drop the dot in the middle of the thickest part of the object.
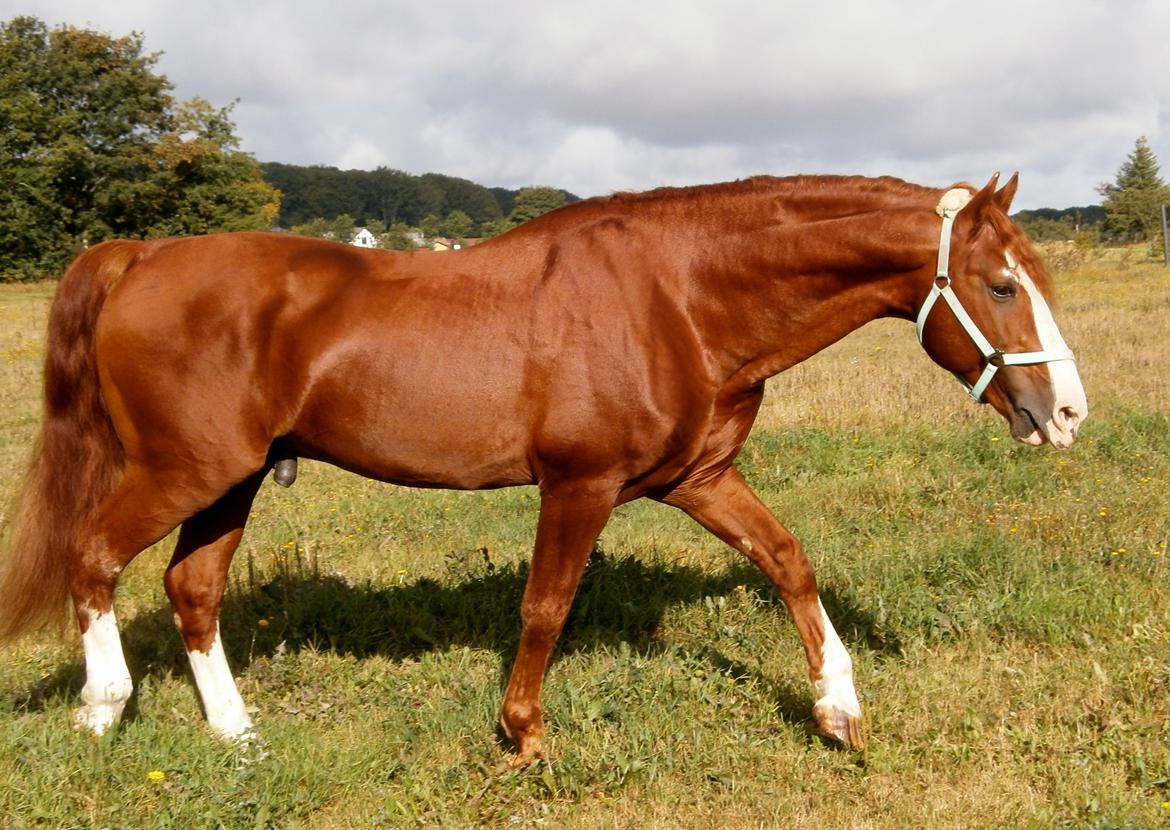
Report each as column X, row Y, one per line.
column 603, row 96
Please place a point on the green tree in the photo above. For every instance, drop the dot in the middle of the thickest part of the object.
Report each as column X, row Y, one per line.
column 535, row 201
column 398, row 238
column 1133, row 202
column 390, row 196
column 312, row 192
column 450, row 193
column 457, row 224
column 200, row 181
column 339, row 228
column 431, row 225
column 92, row 145
column 494, row 228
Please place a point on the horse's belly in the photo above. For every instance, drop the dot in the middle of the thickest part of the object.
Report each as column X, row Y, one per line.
column 444, row 457
column 457, row 425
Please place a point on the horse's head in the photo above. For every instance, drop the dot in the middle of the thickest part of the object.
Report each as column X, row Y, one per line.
column 994, row 329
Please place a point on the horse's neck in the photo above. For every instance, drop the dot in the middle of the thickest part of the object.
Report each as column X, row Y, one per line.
column 786, row 292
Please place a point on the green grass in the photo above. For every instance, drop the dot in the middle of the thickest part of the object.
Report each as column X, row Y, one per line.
column 1006, row 609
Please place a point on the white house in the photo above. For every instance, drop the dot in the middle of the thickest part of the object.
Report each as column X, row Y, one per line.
column 364, row 239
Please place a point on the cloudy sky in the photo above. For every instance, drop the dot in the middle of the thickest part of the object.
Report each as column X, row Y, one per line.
column 603, row 96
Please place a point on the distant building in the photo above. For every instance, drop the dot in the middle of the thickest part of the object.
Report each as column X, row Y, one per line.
column 443, row 243
column 364, row 239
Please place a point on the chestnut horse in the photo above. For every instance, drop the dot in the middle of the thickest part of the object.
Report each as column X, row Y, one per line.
column 614, row 349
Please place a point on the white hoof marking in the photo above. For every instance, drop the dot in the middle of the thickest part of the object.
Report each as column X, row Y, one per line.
column 226, row 713
column 835, row 685
column 107, row 679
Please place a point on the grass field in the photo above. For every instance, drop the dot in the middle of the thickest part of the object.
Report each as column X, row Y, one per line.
column 1007, row 610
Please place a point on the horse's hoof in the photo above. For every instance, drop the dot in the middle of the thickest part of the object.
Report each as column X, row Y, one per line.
column 839, row 727
column 98, row 718
column 526, row 759
column 528, row 750
column 241, row 738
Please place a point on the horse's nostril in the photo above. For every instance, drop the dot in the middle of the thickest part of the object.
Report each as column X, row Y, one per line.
column 1070, row 415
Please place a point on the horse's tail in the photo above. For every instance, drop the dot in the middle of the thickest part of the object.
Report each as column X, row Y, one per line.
column 77, row 457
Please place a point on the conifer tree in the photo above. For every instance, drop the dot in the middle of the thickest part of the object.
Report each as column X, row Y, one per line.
column 1133, row 202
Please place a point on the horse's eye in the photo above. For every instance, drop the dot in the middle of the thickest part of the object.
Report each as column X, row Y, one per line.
column 1003, row 290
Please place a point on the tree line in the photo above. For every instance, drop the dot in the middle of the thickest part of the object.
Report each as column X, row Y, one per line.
column 1050, row 224
column 385, row 198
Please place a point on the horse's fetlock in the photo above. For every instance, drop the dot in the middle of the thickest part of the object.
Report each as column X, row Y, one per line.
column 519, row 719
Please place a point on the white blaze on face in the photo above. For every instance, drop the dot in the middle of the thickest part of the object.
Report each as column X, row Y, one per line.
column 1069, row 405
column 107, row 679
column 225, row 710
column 835, row 685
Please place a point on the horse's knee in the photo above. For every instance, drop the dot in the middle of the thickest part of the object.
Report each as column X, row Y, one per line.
column 188, row 596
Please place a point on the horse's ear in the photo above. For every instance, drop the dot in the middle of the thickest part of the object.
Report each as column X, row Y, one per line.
column 1003, row 199
column 976, row 209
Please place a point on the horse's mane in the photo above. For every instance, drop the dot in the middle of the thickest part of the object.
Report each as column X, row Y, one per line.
column 808, row 186
column 851, row 194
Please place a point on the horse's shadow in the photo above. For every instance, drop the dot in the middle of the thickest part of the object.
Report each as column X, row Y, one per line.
column 621, row 599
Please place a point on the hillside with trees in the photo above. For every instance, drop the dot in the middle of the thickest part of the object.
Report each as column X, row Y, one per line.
column 386, row 197
column 1052, row 225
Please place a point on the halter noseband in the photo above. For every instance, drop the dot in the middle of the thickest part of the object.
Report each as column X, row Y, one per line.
column 993, row 358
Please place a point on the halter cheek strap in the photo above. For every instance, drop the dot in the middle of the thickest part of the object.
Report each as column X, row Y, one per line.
column 993, row 358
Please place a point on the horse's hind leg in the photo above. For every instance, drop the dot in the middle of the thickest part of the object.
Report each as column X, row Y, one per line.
column 138, row 513
column 195, row 582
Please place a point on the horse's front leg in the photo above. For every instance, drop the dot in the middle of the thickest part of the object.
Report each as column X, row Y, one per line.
column 727, row 507
column 571, row 517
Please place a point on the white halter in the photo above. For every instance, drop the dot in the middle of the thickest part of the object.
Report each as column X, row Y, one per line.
column 951, row 203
